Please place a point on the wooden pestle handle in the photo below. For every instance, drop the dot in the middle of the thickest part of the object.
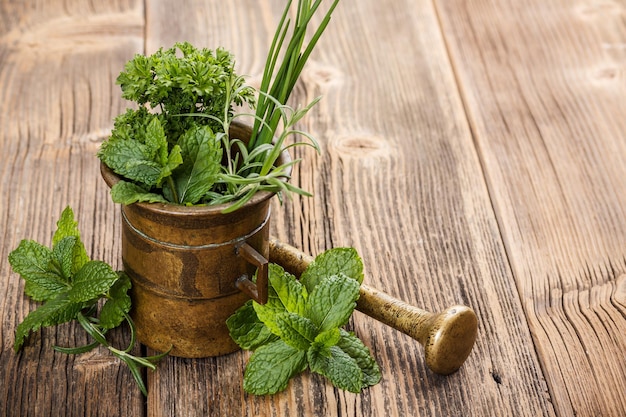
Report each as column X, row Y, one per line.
column 448, row 337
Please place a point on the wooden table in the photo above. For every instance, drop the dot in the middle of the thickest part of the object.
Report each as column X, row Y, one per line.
column 473, row 152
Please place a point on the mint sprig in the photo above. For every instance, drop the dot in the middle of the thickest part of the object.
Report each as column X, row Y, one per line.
column 300, row 327
column 70, row 285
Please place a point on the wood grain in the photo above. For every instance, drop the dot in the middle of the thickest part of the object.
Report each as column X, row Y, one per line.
column 400, row 180
column 543, row 85
column 472, row 151
column 58, row 64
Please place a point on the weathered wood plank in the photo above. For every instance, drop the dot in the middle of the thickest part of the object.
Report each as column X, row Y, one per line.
column 543, row 85
column 58, row 62
column 400, row 180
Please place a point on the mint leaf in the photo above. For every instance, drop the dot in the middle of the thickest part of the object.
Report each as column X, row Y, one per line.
column 333, row 262
column 285, row 294
column 332, row 302
column 247, row 330
column 92, row 281
column 355, row 348
column 63, row 253
column 271, row 366
column 296, row 331
column 128, row 193
column 174, row 159
column 156, row 142
column 305, row 323
column 202, row 156
column 328, row 338
column 118, row 303
column 56, row 311
column 71, row 285
column 336, row 365
column 33, row 262
column 131, row 159
column 68, row 227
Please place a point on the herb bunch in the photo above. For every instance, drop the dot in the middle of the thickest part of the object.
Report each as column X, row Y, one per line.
column 179, row 150
column 71, row 286
column 175, row 146
column 300, row 327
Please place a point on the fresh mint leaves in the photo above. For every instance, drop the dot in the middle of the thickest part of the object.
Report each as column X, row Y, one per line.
column 71, row 286
column 300, row 327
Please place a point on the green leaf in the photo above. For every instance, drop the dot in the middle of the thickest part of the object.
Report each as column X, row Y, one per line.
column 247, row 330
column 271, row 366
column 328, row 338
column 132, row 160
column 174, row 159
column 336, row 365
column 332, row 302
column 118, row 304
column 295, row 330
column 68, row 227
column 202, row 156
column 157, row 145
column 33, row 262
column 285, row 294
column 58, row 310
column 156, row 142
column 124, row 192
column 355, row 348
column 92, row 281
column 63, row 253
column 333, row 262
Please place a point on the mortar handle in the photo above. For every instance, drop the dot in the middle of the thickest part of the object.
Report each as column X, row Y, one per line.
column 257, row 291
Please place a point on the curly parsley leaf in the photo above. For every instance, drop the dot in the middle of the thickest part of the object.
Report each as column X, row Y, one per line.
column 299, row 329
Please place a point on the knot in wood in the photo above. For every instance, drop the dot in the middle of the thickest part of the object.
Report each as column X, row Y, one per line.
column 362, row 146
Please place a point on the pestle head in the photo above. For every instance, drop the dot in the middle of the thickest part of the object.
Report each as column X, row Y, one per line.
column 450, row 339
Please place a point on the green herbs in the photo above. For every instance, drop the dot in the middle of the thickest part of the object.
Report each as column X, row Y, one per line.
column 71, row 285
column 277, row 84
column 184, row 80
column 300, row 327
column 180, row 150
column 175, row 147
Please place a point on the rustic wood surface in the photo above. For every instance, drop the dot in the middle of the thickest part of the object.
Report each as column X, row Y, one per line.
column 473, row 151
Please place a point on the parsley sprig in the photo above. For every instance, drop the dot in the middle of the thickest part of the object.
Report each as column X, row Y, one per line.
column 71, row 286
column 300, row 327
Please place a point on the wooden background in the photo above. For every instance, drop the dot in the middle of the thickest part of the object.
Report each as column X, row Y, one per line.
column 473, row 151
